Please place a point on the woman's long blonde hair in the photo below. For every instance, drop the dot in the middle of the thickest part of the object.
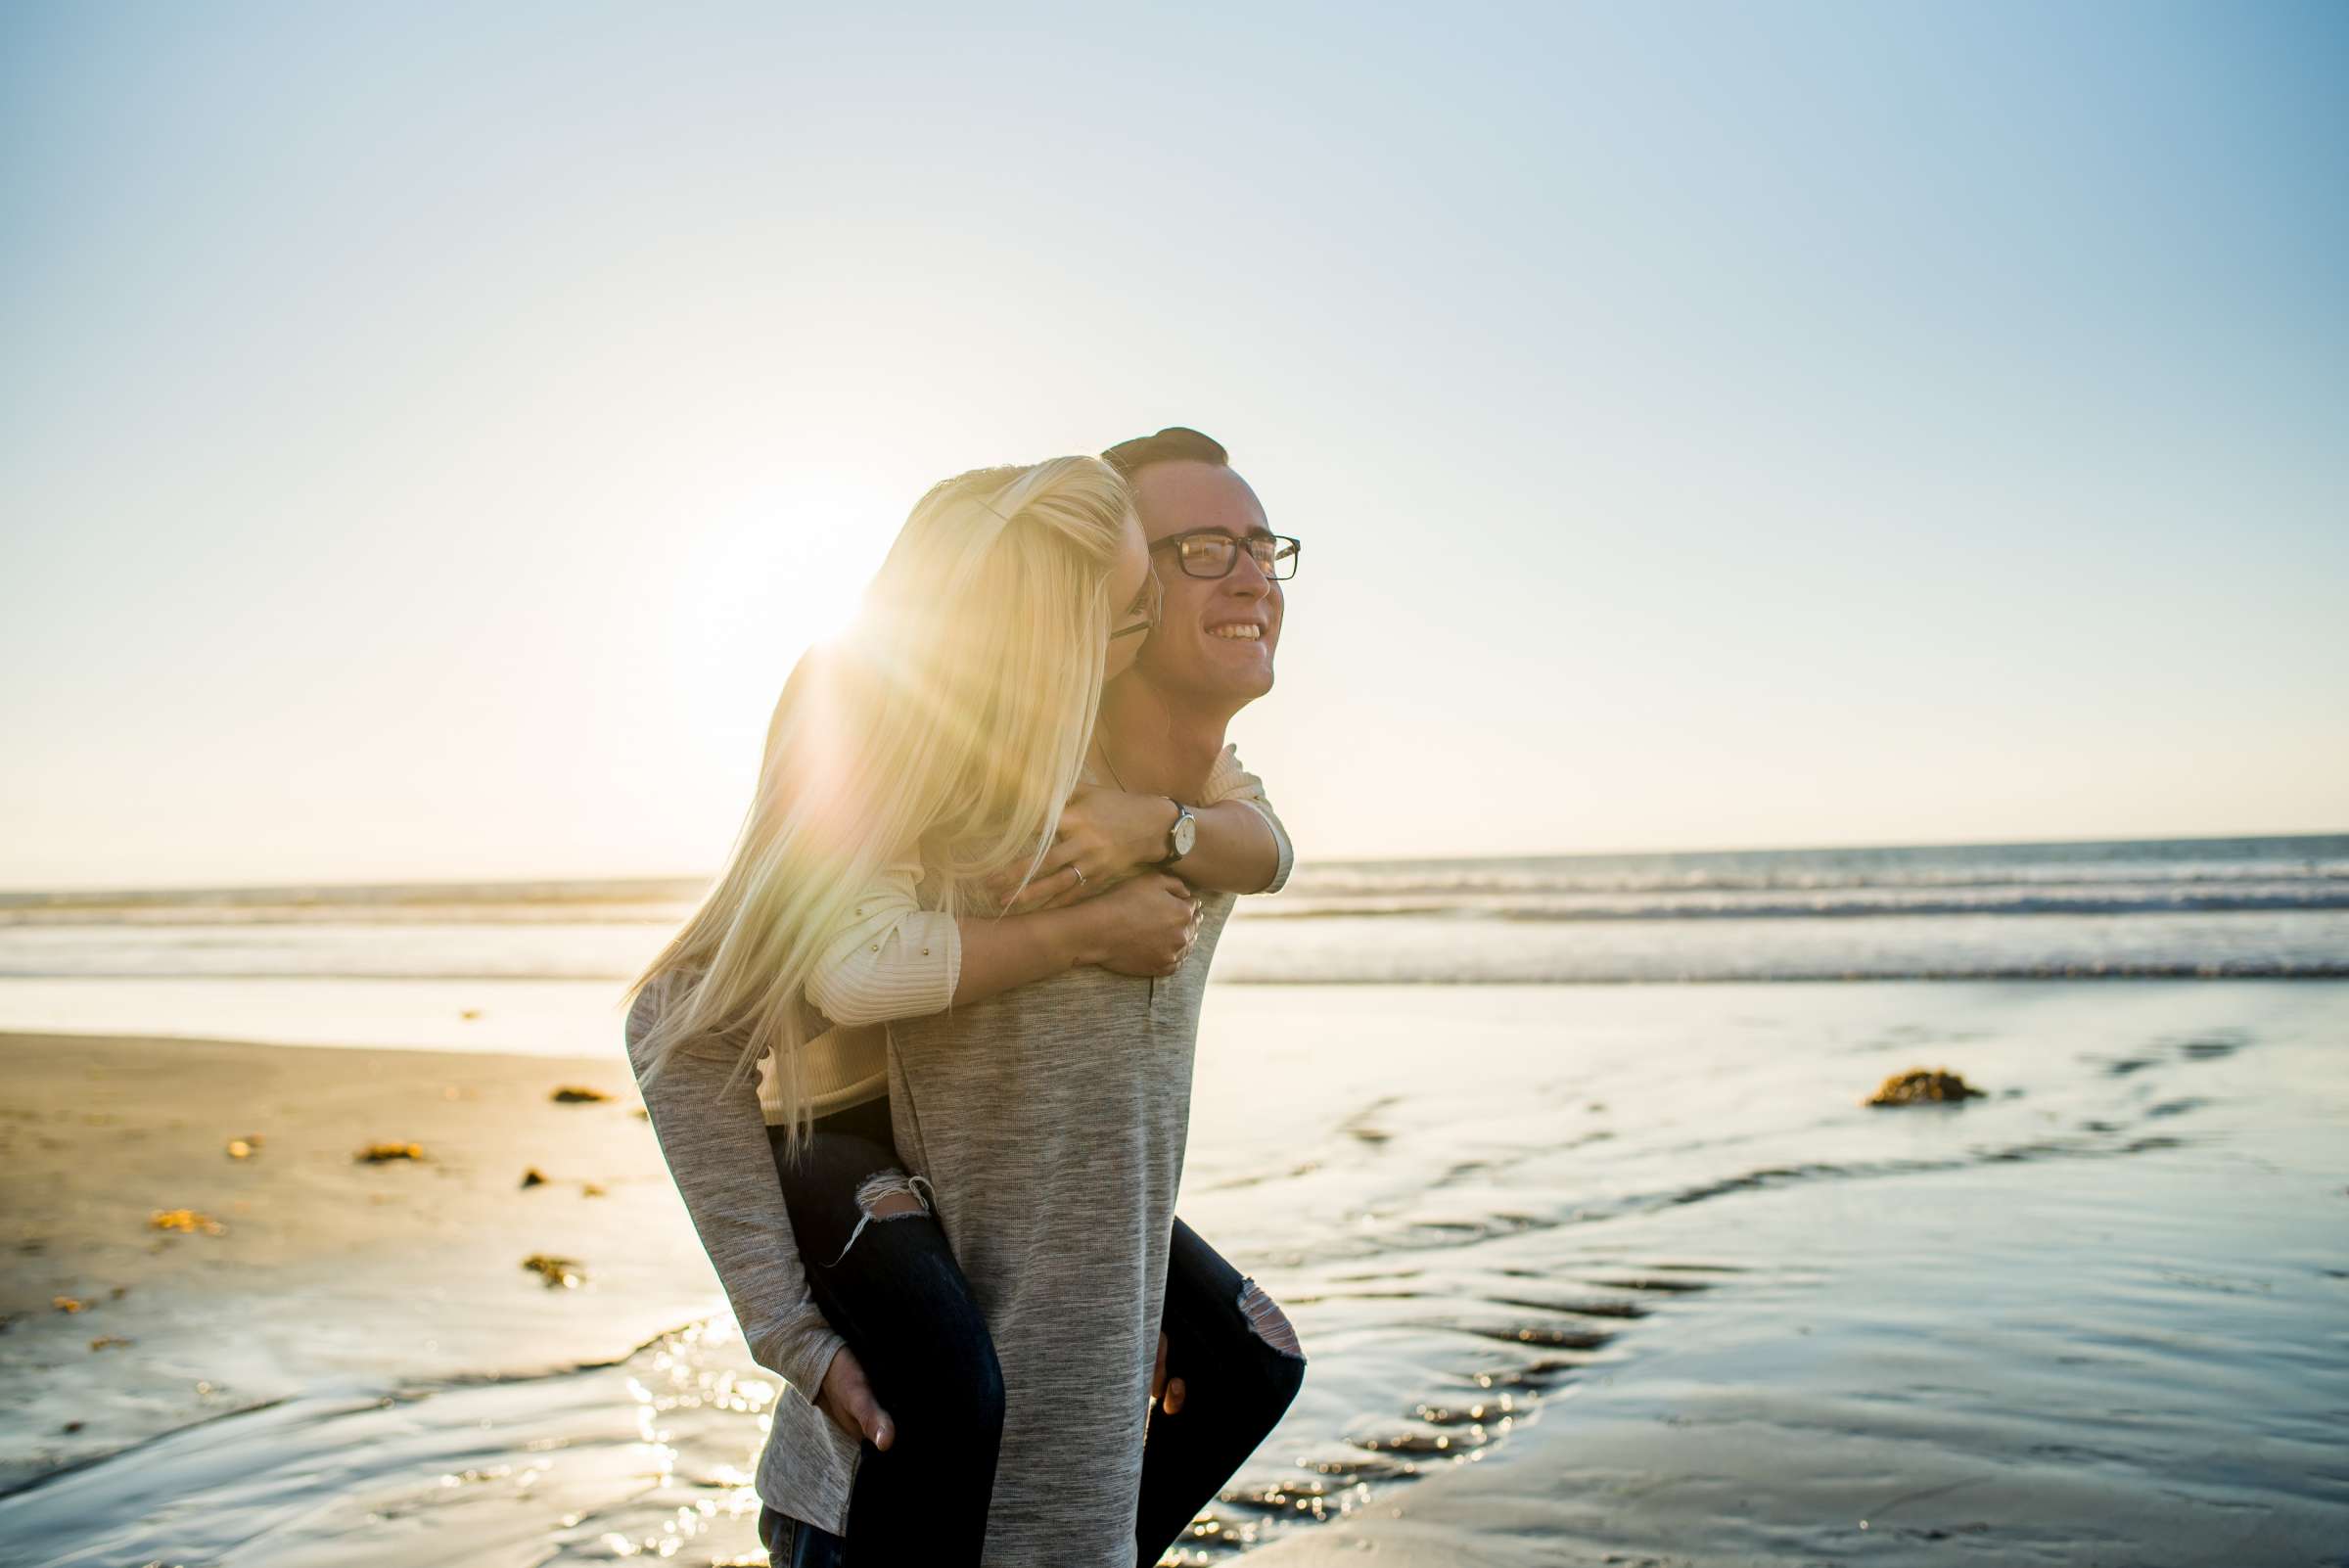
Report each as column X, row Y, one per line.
column 951, row 719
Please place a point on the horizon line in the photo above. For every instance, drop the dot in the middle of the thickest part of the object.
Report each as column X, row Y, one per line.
column 88, row 890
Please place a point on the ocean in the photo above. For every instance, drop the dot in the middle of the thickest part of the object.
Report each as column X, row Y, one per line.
column 536, row 966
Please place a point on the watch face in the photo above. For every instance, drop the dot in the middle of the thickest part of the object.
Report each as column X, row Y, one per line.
column 1186, row 833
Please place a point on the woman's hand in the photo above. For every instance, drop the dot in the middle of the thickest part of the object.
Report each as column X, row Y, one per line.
column 1107, row 835
column 1166, row 1395
column 847, row 1398
column 1143, row 927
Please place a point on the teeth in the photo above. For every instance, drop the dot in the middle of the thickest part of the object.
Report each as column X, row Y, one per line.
column 1237, row 634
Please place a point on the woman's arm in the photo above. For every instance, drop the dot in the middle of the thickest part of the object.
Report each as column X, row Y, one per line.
column 715, row 1145
column 895, row 959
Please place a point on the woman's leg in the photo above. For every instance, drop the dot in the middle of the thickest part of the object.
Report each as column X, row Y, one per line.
column 794, row 1543
column 880, row 1269
column 1240, row 1367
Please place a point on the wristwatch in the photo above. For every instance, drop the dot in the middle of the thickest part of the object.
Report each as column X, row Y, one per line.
column 1183, row 835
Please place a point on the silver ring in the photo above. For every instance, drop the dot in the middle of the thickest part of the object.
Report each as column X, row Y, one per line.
column 1079, row 870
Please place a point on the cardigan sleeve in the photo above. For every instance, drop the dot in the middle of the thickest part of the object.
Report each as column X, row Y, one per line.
column 715, row 1142
column 1230, row 781
column 890, row 959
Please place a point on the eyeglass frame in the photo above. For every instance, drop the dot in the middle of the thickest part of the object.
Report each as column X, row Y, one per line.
column 1238, row 540
column 1158, row 608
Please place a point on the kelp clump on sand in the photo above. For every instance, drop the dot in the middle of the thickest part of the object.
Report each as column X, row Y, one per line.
column 560, row 1273
column 1921, row 1085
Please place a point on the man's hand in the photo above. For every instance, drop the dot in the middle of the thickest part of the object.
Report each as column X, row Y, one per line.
column 847, row 1398
column 1108, row 835
column 1168, row 1395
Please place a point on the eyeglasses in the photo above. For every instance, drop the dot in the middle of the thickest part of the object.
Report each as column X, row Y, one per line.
column 1156, row 598
column 1212, row 553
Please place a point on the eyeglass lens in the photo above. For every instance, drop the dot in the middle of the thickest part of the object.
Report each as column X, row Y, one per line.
column 1213, row 555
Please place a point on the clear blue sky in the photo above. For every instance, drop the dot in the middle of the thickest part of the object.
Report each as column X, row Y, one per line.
column 426, row 433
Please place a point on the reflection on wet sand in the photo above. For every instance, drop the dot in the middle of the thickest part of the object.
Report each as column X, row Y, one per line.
column 1627, row 1272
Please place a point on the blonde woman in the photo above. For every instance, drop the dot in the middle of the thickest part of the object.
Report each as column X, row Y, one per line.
column 912, row 772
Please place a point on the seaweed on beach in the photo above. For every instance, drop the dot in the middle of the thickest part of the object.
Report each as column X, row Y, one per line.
column 1923, row 1087
column 380, row 1153
column 560, row 1273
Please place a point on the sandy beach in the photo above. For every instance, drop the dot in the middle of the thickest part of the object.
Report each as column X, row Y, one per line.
column 1639, row 1280
column 322, row 1265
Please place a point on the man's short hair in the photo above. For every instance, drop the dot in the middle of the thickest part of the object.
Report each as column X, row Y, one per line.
column 1177, row 443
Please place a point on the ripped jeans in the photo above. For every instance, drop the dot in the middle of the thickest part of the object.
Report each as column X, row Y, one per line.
column 896, row 1295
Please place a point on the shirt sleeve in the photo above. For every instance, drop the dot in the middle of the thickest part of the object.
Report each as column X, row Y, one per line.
column 891, row 959
column 715, row 1142
column 1230, row 781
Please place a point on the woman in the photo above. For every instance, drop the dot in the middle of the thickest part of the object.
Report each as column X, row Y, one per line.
column 932, row 747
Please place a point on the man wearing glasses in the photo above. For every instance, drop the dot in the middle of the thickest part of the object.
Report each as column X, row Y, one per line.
column 1215, row 627
column 1163, row 788
column 1211, row 611
column 1219, row 570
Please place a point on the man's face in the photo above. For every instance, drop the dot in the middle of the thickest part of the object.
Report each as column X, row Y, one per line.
column 1215, row 636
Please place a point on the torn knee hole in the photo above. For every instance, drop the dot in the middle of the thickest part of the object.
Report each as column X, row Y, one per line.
column 889, row 1194
column 1270, row 1323
column 886, row 1195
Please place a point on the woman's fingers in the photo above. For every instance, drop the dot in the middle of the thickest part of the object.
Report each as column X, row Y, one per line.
column 1044, row 888
column 1068, row 887
column 847, row 1398
column 1052, row 875
column 1093, row 885
column 1168, row 1392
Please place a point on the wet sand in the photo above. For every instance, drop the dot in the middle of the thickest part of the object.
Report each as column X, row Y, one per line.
column 1585, row 1275
column 323, row 1266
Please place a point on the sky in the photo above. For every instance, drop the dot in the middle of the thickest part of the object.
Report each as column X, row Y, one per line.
column 429, row 433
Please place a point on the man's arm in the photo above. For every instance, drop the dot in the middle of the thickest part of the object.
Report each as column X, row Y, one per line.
column 1235, row 850
column 1241, row 845
column 1231, row 788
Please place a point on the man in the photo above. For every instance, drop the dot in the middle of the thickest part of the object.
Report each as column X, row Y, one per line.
column 1220, row 567
column 1049, row 1121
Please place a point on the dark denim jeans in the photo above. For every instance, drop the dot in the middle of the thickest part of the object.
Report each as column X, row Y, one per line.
column 900, row 1298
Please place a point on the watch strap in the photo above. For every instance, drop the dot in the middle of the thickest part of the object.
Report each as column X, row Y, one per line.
column 1182, row 813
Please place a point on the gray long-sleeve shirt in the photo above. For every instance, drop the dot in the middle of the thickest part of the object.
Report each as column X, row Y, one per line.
column 1051, row 1122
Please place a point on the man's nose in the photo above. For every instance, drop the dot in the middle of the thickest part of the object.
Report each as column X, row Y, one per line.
column 1246, row 579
